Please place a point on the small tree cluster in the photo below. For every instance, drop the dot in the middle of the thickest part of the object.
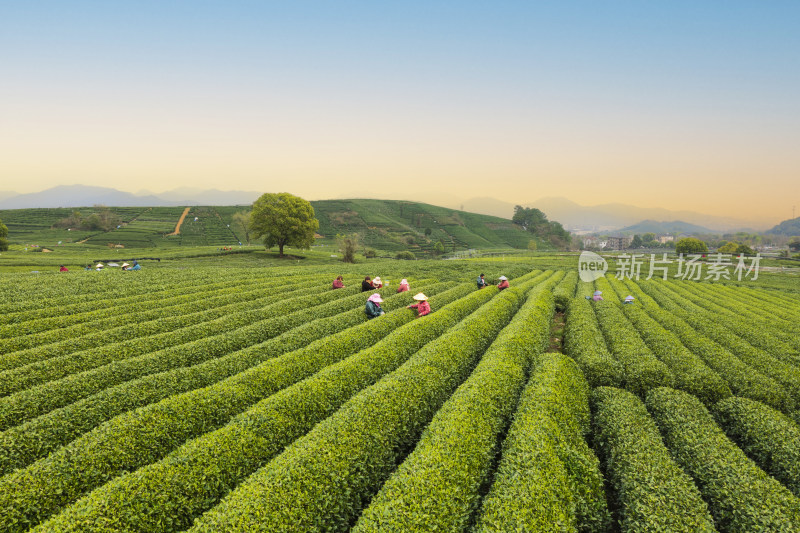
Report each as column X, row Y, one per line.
column 690, row 245
column 535, row 221
column 348, row 244
column 3, row 237
column 103, row 219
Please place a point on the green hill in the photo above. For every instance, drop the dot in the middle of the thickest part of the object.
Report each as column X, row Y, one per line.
column 675, row 226
column 789, row 227
column 385, row 225
column 137, row 227
column 394, row 225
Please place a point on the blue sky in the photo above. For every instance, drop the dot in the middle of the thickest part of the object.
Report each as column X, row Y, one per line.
column 684, row 105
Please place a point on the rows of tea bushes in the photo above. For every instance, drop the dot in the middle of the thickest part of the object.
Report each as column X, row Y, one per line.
column 727, row 335
column 68, row 293
column 327, row 476
column 641, row 369
column 741, row 379
column 94, row 320
column 650, row 491
column 769, row 334
column 29, row 441
column 113, row 307
column 265, row 401
column 141, row 336
column 251, row 327
column 690, row 372
column 547, row 476
column 438, row 486
column 778, row 316
column 767, row 436
column 191, row 479
column 259, row 382
column 740, row 496
column 584, row 342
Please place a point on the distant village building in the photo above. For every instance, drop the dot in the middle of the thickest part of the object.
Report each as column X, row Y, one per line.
column 619, row 242
column 664, row 239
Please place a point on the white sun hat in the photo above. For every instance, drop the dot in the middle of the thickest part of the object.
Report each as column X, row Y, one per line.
column 99, row 265
column 125, row 265
column 420, row 296
column 502, row 278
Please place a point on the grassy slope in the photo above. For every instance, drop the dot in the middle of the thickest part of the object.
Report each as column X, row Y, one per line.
column 386, row 225
column 394, row 225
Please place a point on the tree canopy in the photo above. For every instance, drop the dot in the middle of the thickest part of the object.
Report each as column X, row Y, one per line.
column 3, row 237
column 535, row 221
column 690, row 245
column 283, row 219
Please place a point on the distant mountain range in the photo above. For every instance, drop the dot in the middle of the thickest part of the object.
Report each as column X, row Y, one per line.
column 608, row 217
column 83, row 196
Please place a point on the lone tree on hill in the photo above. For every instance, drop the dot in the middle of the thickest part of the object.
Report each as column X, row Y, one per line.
column 348, row 244
column 3, row 237
column 691, row 245
column 283, row 219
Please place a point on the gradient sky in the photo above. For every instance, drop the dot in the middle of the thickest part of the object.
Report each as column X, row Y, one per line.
column 682, row 104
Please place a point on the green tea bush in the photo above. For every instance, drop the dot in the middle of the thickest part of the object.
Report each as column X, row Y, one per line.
column 146, row 435
column 786, row 374
column 642, row 371
column 253, row 327
column 650, row 491
column 768, row 437
column 324, row 479
column 689, row 371
column 740, row 496
column 584, row 342
column 438, row 486
column 27, row 442
column 564, row 291
column 547, row 476
column 742, row 379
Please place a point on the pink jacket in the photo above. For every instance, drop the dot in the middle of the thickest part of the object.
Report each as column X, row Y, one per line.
column 423, row 308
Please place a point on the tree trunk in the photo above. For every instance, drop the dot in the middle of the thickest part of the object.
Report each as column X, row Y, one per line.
column 280, row 250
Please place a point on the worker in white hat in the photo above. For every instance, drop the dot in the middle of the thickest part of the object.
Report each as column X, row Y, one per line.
column 503, row 283
column 98, row 267
column 125, row 266
column 422, row 306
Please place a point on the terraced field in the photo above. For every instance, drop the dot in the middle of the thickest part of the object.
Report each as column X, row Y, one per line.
column 258, row 399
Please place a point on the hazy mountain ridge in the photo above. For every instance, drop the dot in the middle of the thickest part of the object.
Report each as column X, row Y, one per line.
column 606, row 217
column 84, row 195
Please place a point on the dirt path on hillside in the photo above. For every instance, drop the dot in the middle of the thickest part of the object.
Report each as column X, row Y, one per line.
column 180, row 221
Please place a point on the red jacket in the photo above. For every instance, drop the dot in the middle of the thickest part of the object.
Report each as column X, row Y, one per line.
column 337, row 284
column 503, row 284
column 423, row 308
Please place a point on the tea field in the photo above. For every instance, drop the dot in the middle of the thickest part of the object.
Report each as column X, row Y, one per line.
column 239, row 397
